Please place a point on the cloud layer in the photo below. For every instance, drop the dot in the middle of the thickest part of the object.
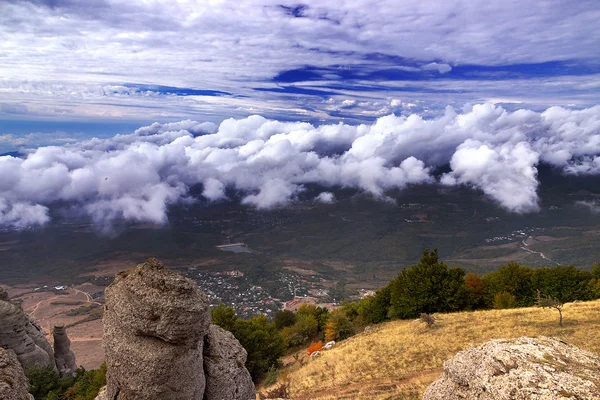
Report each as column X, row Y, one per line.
column 167, row 60
column 136, row 176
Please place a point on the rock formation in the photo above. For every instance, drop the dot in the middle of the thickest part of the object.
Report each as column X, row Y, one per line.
column 20, row 333
column 224, row 366
column 155, row 324
column 523, row 368
column 64, row 357
column 13, row 382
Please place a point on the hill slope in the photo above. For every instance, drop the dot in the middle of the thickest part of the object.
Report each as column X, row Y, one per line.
column 400, row 359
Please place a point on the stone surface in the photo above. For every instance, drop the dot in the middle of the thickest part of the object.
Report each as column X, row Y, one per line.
column 21, row 334
column 13, row 383
column 64, row 357
column 154, row 325
column 524, row 368
column 102, row 394
column 224, row 366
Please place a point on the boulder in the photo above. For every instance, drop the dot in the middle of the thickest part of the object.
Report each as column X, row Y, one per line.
column 524, row 368
column 155, row 322
column 13, row 382
column 64, row 357
column 21, row 334
column 224, row 366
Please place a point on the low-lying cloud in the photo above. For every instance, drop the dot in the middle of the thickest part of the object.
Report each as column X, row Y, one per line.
column 137, row 176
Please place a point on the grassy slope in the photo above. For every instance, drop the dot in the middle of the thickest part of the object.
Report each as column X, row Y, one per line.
column 399, row 359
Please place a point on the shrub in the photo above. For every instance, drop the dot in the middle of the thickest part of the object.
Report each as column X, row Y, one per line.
column 428, row 319
column 504, row 300
column 318, row 346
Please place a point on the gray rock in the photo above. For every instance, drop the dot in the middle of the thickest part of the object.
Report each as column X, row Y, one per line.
column 64, row 357
column 20, row 333
column 3, row 295
column 154, row 325
column 224, row 365
column 524, row 368
column 13, row 382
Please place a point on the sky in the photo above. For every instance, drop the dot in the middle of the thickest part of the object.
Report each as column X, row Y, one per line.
column 364, row 94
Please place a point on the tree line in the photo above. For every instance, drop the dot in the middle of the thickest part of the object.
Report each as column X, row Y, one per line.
column 429, row 286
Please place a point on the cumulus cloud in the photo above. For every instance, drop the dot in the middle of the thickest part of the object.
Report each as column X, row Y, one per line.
column 325, row 197
column 137, row 176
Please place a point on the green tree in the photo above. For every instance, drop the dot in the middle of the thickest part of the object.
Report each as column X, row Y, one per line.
column 477, row 291
column 427, row 287
column 259, row 337
column 224, row 317
column 565, row 283
column 44, row 381
column 339, row 326
column 284, row 318
column 514, row 279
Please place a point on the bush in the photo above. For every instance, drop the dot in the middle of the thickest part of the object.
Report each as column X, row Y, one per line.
column 318, row 346
column 504, row 300
column 44, row 382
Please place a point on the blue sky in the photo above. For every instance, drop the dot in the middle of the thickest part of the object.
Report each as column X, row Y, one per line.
column 73, row 69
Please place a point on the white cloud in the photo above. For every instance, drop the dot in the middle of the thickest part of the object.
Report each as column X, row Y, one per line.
column 136, row 176
column 325, row 197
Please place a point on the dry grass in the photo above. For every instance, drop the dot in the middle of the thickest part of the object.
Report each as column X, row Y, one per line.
column 398, row 360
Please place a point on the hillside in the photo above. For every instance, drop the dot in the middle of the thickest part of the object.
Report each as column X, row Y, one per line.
column 399, row 359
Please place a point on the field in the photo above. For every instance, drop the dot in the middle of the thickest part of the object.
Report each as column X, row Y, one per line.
column 399, row 359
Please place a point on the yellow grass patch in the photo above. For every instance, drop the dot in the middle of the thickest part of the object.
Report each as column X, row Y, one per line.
column 399, row 359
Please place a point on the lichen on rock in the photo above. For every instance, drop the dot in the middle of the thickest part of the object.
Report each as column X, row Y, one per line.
column 525, row 368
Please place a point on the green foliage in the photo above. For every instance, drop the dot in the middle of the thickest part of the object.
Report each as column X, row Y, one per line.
column 261, row 339
column 87, row 384
column 44, row 382
column 283, row 319
column 272, row 376
column 565, row 283
column 303, row 331
column 503, row 300
column 224, row 317
column 339, row 326
column 428, row 287
column 515, row 279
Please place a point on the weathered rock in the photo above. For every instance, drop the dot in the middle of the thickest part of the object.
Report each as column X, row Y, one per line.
column 224, row 366
column 64, row 357
column 524, row 368
column 13, row 382
column 20, row 333
column 102, row 394
column 3, row 295
column 154, row 325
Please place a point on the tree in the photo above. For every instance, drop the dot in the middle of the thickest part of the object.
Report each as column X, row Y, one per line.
column 338, row 326
column 565, row 283
column 427, row 287
column 477, row 291
column 503, row 300
column 514, row 279
column 284, row 318
column 259, row 337
column 224, row 317
column 552, row 302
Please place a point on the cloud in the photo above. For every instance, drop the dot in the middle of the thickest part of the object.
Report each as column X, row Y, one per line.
column 325, row 197
column 137, row 176
column 162, row 59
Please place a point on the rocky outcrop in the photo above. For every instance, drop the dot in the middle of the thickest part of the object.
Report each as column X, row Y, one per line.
column 224, row 367
column 13, row 383
column 523, row 368
column 21, row 334
column 154, row 327
column 64, row 357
